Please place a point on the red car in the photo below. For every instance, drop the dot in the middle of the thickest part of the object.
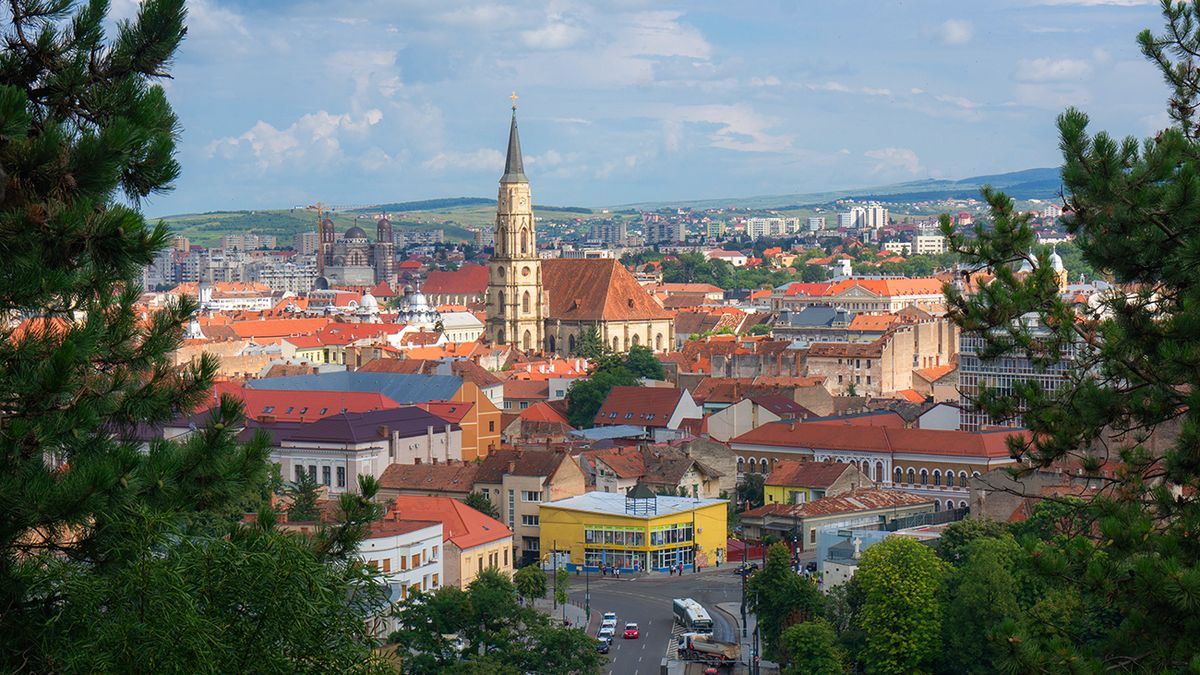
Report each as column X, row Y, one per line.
column 631, row 631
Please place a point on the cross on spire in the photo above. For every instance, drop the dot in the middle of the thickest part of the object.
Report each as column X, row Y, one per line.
column 513, row 98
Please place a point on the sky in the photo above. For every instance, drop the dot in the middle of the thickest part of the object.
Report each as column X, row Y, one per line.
column 359, row 102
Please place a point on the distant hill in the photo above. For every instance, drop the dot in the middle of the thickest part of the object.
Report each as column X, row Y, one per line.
column 453, row 215
column 1026, row 184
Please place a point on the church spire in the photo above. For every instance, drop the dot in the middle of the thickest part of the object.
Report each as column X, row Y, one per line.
column 514, row 167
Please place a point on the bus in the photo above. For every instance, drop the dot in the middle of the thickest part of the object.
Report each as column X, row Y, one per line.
column 693, row 617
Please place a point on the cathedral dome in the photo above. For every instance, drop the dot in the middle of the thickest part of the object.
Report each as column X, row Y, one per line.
column 1056, row 262
column 369, row 302
column 355, row 232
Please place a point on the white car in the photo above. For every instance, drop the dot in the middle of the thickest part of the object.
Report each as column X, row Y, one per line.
column 611, row 616
column 607, row 632
column 609, row 623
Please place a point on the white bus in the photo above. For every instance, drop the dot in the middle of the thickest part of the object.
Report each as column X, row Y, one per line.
column 690, row 615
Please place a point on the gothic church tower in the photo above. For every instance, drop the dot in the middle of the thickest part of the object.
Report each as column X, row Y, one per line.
column 515, row 305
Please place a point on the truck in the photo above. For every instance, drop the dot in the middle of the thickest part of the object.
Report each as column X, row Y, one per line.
column 701, row 647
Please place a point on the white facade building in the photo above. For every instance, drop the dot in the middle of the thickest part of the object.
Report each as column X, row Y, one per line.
column 409, row 555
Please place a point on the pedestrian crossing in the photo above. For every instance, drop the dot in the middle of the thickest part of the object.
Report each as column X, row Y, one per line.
column 673, row 644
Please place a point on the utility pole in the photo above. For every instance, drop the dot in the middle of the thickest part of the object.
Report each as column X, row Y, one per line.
column 743, row 575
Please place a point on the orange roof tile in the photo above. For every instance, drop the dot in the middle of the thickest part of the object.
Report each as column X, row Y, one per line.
column 461, row 525
column 595, row 289
column 872, row 322
column 935, row 373
column 542, row 412
column 879, row 439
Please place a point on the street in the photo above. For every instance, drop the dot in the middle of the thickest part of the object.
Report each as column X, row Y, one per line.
column 647, row 601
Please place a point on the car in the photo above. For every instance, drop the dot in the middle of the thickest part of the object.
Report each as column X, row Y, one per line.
column 609, row 623
column 607, row 632
column 602, row 645
column 632, row 632
column 746, row 569
column 711, row 670
column 611, row 616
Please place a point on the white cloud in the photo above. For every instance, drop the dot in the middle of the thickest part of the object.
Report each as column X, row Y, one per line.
column 483, row 159
column 556, row 34
column 830, row 86
column 1052, row 70
column 739, row 127
column 956, row 31
column 313, row 139
column 960, row 101
column 871, row 91
column 768, row 81
column 660, row 33
column 890, row 160
column 1051, row 96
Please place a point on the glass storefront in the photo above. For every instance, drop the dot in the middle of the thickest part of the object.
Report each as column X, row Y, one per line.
column 626, row 547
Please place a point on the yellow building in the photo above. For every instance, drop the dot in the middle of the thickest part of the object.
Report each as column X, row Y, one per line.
column 634, row 532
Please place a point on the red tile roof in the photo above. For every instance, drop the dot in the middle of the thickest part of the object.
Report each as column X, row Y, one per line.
column 865, row 499
column 820, row 475
column 817, row 435
column 542, row 412
column 300, row 406
column 526, row 389
column 640, row 406
column 935, row 373
column 466, row 280
column 457, row 478
column 596, row 289
column 451, row 411
column 872, row 322
column 461, row 525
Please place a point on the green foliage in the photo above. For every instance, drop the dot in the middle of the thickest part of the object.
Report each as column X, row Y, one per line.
column 981, row 600
column 530, row 581
column 694, row 268
column 780, row 598
column 498, row 634
column 481, row 503
column 562, row 581
column 115, row 557
column 812, row 649
column 1117, row 568
column 302, row 495
column 750, row 491
column 585, row 396
column 589, row 345
column 901, row 613
column 759, row 329
column 957, row 536
column 642, row 362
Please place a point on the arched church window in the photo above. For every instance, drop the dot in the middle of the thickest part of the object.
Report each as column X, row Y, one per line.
column 500, row 299
column 658, row 342
column 524, row 242
column 500, row 336
column 525, row 302
column 616, row 343
column 636, row 340
column 527, row 341
column 571, row 343
column 550, row 344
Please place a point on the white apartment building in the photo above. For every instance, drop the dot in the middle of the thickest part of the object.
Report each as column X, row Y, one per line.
column 900, row 247
column 816, row 223
column 408, row 553
column 930, row 244
column 461, row 327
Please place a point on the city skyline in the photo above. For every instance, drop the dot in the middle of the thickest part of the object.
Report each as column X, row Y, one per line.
column 360, row 103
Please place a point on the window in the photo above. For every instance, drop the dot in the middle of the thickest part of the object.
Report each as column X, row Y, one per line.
column 524, row 405
column 387, row 564
column 899, row 475
column 506, row 557
column 741, row 465
column 433, row 554
column 290, row 409
column 403, row 562
column 491, row 426
column 341, row 476
column 949, row 479
column 325, row 410
column 435, row 580
column 512, row 506
column 312, row 471
column 326, row 476
column 628, row 415
column 912, row 475
column 937, row 477
column 924, row 477
column 812, row 536
column 479, row 564
column 868, row 379
column 531, row 496
column 299, row 471
column 962, row 479
column 753, row 465
column 763, row 464
column 269, row 409
column 531, row 521
column 304, row 410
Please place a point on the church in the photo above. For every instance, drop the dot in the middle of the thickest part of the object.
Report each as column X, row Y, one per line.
column 546, row 305
column 352, row 260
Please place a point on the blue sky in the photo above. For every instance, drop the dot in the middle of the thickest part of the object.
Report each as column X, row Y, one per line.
column 367, row 101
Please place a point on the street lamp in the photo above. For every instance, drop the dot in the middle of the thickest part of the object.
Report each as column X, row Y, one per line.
column 743, row 575
column 587, row 581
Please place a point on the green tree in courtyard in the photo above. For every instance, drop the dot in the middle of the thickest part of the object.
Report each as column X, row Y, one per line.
column 981, row 603
column 812, row 649
column 530, row 581
column 481, row 503
column 750, row 490
column 1133, row 569
column 642, row 362
column 780, row 598
column 901, row 614
column 302, row 495
column 589, row 345
column 115, row 559
column 485, row 630
column 958, row 536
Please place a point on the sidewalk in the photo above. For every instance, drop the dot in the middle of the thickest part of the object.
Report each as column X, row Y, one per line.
column 574, row 613
column 734, row 611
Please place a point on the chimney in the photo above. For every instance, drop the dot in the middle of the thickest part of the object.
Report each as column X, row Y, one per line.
column 512, row 466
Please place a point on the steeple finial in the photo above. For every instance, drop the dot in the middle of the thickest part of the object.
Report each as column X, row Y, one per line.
column 514, row 166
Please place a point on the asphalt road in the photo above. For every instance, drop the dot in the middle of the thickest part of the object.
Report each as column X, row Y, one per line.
column 647, row 601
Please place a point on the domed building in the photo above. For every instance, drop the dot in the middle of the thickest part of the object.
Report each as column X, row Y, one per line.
column 354, row 260
column 416, row 310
